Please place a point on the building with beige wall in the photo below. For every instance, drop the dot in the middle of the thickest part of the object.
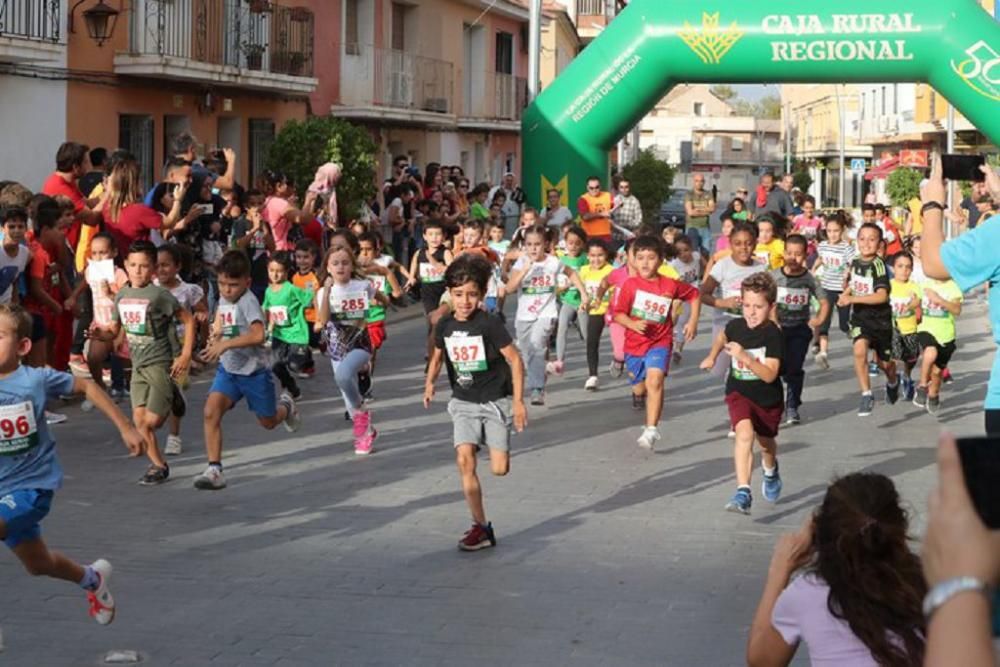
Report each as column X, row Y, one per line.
column 700, row 133
column 438, row 81
column 813, row 114
column 560, row 42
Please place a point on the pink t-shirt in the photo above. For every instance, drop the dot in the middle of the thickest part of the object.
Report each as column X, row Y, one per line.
column 801, row 613
column 274, row 215
column 809, row 228
column 722, row 244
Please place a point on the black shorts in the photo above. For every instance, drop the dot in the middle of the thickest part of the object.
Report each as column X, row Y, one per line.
column 879, row 340
column 38, row 331
column 905, row 347
column 430, row 295
column 944, row 352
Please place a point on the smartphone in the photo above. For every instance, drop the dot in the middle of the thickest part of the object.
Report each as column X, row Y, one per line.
column 963, row 167
column 206, row 209
column 981, row 465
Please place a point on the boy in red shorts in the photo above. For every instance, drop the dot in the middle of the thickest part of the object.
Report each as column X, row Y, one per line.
column 645, row 308
column 753, row 387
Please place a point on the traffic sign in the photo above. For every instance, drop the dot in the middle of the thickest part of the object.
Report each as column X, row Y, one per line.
column 858, row 165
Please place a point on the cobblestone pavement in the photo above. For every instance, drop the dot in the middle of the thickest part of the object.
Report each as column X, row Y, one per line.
column 607, row 555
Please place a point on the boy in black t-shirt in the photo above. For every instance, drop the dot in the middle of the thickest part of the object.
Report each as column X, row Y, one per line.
column 867, row 291
column 487, row 384
column 753, row 387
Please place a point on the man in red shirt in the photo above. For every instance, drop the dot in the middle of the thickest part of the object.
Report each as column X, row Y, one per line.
column 645, row 307
column 73, row 162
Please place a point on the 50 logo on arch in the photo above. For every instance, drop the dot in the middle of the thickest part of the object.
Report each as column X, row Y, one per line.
column 981, row 70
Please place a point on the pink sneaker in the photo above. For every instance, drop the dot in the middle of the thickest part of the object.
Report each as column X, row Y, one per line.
column 364, row 434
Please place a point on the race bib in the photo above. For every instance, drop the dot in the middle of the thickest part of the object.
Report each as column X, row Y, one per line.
column 733, row 293
column 467, row 353
column 350, row 306
column 430, row 273
column 227, row 320
column 931, row 309
column 18, row 429
column 741, row 371
column 862, row 285
column 278, row 315
column 793, row 298
column 763, row 256
column 651, row 307
column 592, row 289
column 833, row 262
column 133, row 316
column 809, row 232
column 901, row 307
column 539, row 282
column 377, row 282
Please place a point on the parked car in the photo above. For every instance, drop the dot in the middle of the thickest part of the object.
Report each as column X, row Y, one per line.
column 672, row 211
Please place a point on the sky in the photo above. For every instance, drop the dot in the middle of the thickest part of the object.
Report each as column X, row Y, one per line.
column 756, row 91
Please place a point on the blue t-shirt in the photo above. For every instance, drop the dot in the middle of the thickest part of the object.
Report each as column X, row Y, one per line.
column 27, row 450
column 972, row 260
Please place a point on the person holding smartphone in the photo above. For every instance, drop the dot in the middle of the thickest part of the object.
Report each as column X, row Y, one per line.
column 970, row 260
column 961, row 562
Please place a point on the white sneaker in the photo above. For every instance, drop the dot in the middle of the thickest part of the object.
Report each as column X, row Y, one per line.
column 102, row 605
column 174, row 445
column 54, row 418
column 87, row 406
column 649, row 436
column 822, row 361
column 731, row 434
column 210, row 480
column 591, row 384
column 292, row 421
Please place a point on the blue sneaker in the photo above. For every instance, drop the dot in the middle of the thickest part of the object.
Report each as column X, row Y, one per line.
column 909, row 389
column 771, row 486
column 741, row 501
column 872, row 369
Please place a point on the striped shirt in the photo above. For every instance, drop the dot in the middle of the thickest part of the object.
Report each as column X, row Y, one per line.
column 835, row 260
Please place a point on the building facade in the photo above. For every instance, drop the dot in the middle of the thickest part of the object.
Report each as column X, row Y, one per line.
column 439, row 81
column 700, row 134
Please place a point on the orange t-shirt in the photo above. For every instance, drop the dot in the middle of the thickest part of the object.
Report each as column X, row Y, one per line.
column 595, row 204
column 310, row 283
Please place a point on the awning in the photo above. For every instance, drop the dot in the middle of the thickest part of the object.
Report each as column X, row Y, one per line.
column 883, row 170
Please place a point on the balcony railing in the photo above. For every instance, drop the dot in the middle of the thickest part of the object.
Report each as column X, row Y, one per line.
column 495, row 96
column 35, row 20
column 256, row 35
column 595, row 8
column 374, row 77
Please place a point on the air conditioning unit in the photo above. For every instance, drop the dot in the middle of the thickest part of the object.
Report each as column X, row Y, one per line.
column 436, row 104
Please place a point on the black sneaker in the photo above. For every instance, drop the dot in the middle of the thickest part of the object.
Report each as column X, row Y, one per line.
column 892, row 393
column 933, row 404
column 178, row 402
column 154, row 476
column 365, row 384
column 638, row 402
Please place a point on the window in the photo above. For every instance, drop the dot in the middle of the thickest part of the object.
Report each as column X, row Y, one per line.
column 699, row 109
column 737, row 144
column 261, row 138
column 351, row 31
column 398, row 27
column 505, row 53
column 135, row 134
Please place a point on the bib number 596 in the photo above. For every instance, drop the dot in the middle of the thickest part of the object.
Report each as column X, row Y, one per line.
column 10, row 428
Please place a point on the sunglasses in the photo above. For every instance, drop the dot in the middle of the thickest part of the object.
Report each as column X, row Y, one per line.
column 593, row 187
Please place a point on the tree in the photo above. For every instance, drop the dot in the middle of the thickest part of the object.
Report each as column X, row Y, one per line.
column 801, row 177
column 302, row 146
column 766, row 108
column 723, row 92
column 651, row 179
column 903, row 185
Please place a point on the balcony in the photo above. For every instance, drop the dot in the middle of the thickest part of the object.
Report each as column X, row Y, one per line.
column 31, row 30
column 255, row 44
column 494, row 100
column 384, row 84
column 592, row 16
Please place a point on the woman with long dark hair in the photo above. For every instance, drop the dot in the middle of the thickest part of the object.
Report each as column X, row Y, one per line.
column 856, row 595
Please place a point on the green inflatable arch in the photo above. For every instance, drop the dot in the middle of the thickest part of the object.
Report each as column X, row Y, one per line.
column 654, row 44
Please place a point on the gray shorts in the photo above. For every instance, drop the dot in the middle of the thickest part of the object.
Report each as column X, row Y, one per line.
column 482, row 423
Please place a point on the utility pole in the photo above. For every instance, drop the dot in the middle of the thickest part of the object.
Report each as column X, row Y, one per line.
column 788, row 138
column 950, row 148
column 534, row 49
column 843, row 145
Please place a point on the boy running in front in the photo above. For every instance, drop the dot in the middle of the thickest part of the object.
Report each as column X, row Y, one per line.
column 753, row 387
column 867, row 293
column 941, row 304
column 29, row 470
column 237, row 343
column 487, row 383
column 645, row 308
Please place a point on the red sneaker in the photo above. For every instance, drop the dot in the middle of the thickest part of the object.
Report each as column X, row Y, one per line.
column 478, row 537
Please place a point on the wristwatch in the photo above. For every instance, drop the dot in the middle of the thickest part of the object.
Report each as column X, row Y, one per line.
column 949, row 588
column 931, row 204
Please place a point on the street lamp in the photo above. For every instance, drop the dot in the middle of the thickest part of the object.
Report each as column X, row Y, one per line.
column 100, row 19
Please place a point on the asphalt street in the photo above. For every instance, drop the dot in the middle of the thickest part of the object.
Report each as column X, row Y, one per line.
column 607, row 554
